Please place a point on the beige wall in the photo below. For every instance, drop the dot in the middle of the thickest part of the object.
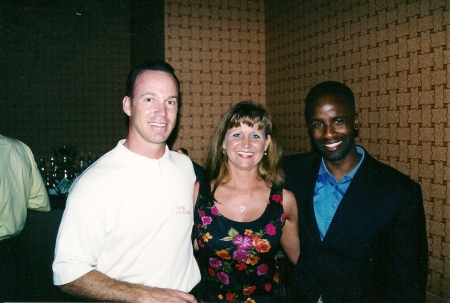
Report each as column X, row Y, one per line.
column 395, row 56
column 218, row 51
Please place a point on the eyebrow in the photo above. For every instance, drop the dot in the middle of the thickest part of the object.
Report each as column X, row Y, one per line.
column 333, row 118
column 144, row 94
column 152, row 94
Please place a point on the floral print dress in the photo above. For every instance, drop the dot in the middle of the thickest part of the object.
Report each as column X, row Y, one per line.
column 237, row 260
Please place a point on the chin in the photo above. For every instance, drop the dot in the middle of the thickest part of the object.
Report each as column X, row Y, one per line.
column 158, row 140
column 334, row 155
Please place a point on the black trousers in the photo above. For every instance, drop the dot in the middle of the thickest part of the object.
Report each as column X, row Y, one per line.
column 13, row 269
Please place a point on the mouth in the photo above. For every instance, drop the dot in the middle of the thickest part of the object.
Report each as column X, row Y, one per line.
column 245, row 154
column 158, row 124
column 333, row 146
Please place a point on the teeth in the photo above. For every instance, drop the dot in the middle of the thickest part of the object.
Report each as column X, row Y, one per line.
column 158, row 124
column 333, row 144
column 245, row 154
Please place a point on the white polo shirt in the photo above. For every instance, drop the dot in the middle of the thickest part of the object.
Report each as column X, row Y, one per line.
column 130, row 217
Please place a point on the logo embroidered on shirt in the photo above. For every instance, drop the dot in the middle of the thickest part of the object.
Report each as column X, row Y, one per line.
column 182, row 210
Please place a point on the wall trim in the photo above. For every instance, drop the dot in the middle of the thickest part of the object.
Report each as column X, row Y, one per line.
column 431, row 298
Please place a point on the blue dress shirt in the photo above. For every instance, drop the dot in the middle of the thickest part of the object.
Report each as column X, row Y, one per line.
column 328, row 194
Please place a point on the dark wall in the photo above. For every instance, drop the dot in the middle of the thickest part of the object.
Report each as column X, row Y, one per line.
column 64, row 66
column 65, row 69
column 147, row 31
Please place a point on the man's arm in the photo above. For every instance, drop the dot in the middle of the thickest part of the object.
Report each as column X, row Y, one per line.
column 410, row 250
column 98, row 286
column 38, row 198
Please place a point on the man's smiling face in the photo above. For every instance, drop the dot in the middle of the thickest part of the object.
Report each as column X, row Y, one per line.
column 333, row 128
column 153, row 109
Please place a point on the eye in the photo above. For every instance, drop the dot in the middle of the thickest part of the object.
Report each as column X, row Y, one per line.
column 237, row 135
column 149, row 99
column 255, row 136
column 316, row 124
column 339, row 121
column 172, row 102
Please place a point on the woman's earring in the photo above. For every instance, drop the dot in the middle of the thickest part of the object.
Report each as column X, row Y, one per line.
column 224, row 151
column 265, row 153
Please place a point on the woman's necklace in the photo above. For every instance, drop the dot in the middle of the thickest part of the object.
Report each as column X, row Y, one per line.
column 241, row 199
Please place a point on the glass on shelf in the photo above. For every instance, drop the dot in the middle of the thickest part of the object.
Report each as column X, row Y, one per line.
column 41, row 167
column 64, row 170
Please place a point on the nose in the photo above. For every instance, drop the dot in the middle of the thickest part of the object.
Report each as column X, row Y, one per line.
column 246, row 141
column 160, row 109
column 329, row 130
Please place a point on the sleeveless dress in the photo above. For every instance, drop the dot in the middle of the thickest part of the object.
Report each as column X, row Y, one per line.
column 237, row 260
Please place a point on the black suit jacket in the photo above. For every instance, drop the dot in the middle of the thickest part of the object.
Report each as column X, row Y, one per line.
column 199, row 171
column 375, row 249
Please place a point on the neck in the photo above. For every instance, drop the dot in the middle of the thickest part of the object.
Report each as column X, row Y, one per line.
column 148, row 150
column 243, row 178
column 242, row 190
column 342, row 167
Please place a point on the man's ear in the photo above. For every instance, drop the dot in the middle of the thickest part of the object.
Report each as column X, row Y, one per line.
column 126, row 105
column 356, row 126
column 356, row 123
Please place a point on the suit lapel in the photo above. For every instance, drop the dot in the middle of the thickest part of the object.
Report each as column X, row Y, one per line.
column 352, row 203
column 311, row 173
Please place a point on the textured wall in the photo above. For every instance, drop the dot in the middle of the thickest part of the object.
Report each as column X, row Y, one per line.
column 218, row 51
column 395, row 56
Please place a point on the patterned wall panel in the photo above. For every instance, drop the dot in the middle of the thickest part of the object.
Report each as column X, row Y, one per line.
column 395, row 56
column 218, row 51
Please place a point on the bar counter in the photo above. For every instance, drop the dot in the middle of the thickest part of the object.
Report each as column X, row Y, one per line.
column 38, row 241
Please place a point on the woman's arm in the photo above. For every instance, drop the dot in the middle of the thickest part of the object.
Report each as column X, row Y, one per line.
column 196, row 189
column 290, row 240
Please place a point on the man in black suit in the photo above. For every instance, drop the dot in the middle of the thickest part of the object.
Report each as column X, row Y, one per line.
column 198, row 169
column 362, row 223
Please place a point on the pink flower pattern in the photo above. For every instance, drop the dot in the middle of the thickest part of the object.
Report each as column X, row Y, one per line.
column 215, row 211
column 271, row 229
column 215, row 263
column 262, row 269
column 223, row 277
column 239, row 257
column 243, row 242
column 206, row 220
column 277, row 198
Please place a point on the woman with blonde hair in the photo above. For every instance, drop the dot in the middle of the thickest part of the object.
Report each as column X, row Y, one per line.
column 243, row 213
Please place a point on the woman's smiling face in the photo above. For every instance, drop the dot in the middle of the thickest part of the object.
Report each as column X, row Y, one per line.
column 245, row 146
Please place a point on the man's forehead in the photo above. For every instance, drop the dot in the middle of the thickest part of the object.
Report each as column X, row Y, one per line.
column 152, row 77
column 153, row 74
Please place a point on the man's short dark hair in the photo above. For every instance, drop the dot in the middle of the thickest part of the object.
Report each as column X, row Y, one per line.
column 153, row 65
column 329, row 88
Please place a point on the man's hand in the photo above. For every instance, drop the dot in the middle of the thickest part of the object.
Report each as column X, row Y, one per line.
column 154, row 295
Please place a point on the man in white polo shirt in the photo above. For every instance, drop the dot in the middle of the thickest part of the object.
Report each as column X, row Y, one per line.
column 125, row 233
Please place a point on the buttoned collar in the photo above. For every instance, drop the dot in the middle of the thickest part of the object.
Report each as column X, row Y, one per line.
column 167, row 157
column 323, row 170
